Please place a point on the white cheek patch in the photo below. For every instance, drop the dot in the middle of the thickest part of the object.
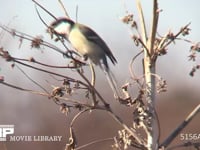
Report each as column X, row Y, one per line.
column 62, row 28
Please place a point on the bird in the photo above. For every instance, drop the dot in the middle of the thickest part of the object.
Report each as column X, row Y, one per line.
column 88, row 43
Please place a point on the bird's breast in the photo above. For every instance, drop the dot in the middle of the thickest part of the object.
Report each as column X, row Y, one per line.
column 79, row 42
column 86, row 47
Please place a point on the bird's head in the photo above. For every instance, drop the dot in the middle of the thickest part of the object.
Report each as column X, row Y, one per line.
column 61, row 27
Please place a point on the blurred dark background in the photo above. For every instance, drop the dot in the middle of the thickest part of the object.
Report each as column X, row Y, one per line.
column 37, row 115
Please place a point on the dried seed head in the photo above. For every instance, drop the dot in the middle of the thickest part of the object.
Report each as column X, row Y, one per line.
column 170, row 35
column 64, row 108
column 185, row 31
column 13, row 32
column 1, row 78
column 195, row 47
column 36, row 42
column 31, row 59
column 128, row 18
column 136, row 40
column 192, row 57
column 57, row 91
column 5, row 55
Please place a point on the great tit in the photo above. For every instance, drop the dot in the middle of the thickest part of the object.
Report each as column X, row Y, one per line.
column 88, row 43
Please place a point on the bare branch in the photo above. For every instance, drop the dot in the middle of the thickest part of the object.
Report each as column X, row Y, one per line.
column 23, row 89
column 36, row 83
column 188, row 144
column 92, row 90
column 132, row 132
column 142, row 22
column 44, row 9
column 188, row 119
column 72, row 139
column 63, row 8
column 95, row 142
column 153, row 32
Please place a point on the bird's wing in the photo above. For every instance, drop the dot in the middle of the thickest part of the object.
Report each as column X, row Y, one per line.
column 94, row 37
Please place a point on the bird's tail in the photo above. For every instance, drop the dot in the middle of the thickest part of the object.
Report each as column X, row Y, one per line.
column 113, row 83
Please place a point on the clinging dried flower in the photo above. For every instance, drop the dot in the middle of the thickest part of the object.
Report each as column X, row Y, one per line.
column 134, row 24
column 194, row 69
column 13, row 32
column 1, row 78
column 195, row 47
column 162, row 86
column 136, row 40
column 192, row 56
column 170, row 35
column 5, row 55
column 36, row 42
column 64, row 108
column 57, row 91
column 128, row 18
column 31, row 59
column 185, row 31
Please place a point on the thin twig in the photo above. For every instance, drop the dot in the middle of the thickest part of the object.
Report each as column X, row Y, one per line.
column 23, row 89
column 154, row 27
column 30, row 38
column 40, row 17
column 49, row 72
column 92, row 89
column 77, row 102
column 74, row 102
column 69, row 53
column 188, row 144
column 77, row 116
column 117, row 119
column 130, row 131
column 43, row 64
column 31, row 79
column 188, row 119
column 76, row 13
column 142, row 22
column 133, row 75
column 94, row 142
column 93, row 80
column 143, row 28
column 175, row 36
column 72, row 138
column 42, row 70
column 46, row 71
column 63, row 8
column 44, row 9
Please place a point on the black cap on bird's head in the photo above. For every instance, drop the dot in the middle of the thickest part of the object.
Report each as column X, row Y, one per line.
column 61, row 26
